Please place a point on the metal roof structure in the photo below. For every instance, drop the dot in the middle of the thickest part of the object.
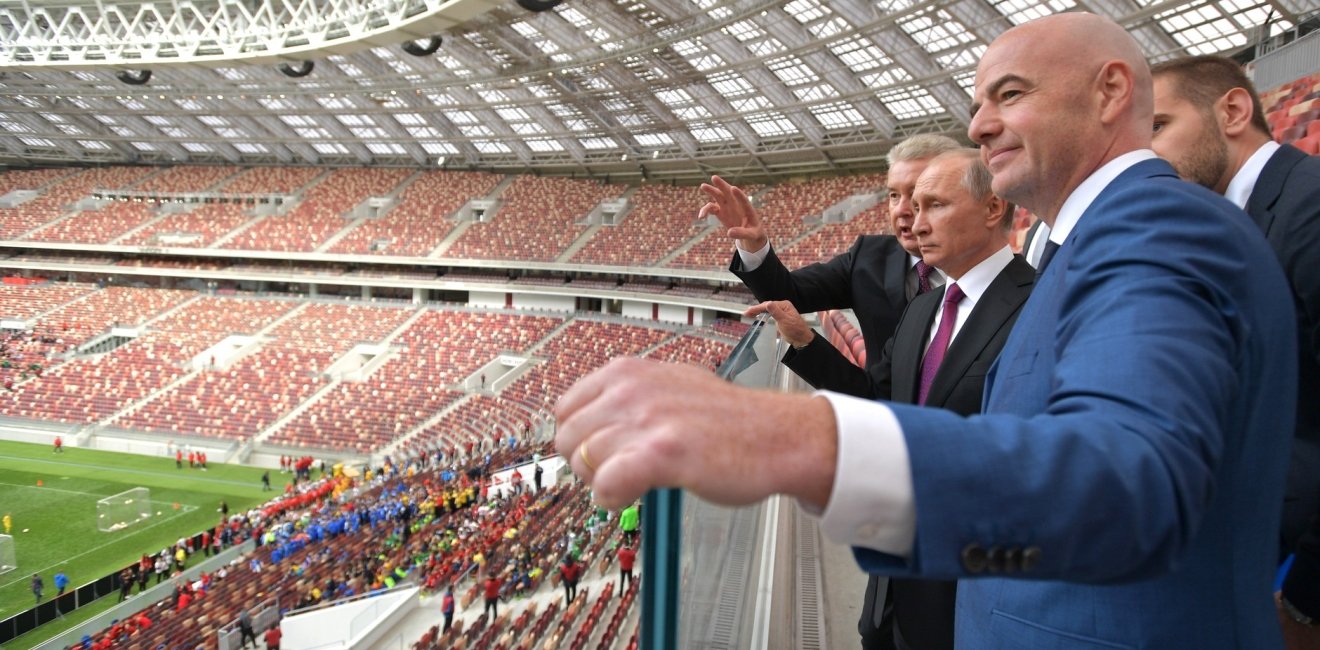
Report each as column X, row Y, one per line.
column 636, row 89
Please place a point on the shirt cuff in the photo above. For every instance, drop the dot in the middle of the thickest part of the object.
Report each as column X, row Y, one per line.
column 872, row 503
column 751, row 261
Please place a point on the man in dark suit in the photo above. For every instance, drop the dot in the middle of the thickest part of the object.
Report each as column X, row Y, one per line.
column 962, row 229
column 1122, row 487
column 875, row 278
column 958, row 232
column 1210, row 126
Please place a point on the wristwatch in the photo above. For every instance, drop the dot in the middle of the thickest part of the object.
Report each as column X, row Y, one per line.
column 1296, row 614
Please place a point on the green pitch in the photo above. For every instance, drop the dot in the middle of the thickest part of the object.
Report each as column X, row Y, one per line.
column 60, row 515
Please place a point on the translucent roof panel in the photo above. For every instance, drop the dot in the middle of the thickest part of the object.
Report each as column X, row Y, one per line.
column 641, row 88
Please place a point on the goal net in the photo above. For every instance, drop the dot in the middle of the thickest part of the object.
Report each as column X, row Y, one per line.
column 7, row 561
column 123, row 509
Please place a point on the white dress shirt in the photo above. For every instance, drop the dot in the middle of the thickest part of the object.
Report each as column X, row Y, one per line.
column 872, row 504
column 1036, row 247
column 973, row 284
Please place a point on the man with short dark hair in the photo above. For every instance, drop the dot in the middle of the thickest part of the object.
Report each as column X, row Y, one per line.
column 1209, row 124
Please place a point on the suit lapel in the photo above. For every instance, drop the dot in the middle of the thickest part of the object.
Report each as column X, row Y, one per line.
column 896, row 268
column 1003, row 297
column 909, row 345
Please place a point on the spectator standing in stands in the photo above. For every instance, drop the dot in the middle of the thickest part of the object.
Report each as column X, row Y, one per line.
column 629, row 521
column 627, row 556
column 245, row 628
column 447, row 607
column 273, row 637
column 569, row 573
column 492, row 593
column 536, row 477
column 37, row 586
column 59, row 445
column 1210, row 125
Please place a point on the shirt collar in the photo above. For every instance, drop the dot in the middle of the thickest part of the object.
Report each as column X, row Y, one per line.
column 977, row 280
column 1239, row 189
column 1086, row 193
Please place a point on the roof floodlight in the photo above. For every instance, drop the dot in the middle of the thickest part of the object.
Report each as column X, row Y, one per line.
column 425, row 47
column 300, row 69
column 134, row 77
column 538, row 5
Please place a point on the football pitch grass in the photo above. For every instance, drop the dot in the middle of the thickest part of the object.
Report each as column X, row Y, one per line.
column 59, row 515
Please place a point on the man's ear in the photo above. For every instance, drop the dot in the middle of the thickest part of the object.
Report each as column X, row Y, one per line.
column 1234, row 112
column 995, row 208
column 1115, row 84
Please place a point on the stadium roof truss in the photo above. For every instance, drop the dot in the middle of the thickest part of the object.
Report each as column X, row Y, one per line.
column 654, row 89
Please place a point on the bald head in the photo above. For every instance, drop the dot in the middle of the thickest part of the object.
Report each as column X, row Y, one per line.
column 1056, row 99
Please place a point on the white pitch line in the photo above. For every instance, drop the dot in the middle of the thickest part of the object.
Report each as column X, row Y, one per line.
column 42, row 487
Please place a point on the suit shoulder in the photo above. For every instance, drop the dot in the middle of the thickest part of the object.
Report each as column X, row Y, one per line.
column 1303, row 180
column 877, row 243
column 1020, row 270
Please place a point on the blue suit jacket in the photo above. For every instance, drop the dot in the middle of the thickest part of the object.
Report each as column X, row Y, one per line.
column 1123, row 488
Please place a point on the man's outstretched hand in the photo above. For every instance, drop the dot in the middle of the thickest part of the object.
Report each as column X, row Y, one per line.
column 647, row 425
column 734, row 210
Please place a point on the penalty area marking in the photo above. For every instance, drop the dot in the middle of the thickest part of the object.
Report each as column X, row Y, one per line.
column 183, row 509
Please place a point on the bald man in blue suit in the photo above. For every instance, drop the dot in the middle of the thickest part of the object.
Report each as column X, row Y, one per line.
column 1123, row 488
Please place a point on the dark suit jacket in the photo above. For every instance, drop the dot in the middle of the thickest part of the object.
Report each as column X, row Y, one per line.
column 1122, row 488
column 923, row 609
column 869, row 279
column 1285, row 203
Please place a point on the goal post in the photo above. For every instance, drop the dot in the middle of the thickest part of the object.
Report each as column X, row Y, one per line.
column 123, row 510
column 8, row 561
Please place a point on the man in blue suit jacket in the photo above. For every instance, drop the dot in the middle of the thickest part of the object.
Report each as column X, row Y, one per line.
column 1123, row 487
column 1209, row 125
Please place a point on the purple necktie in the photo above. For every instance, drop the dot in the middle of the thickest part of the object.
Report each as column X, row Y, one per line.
column 938, row 345
column 923, row 277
